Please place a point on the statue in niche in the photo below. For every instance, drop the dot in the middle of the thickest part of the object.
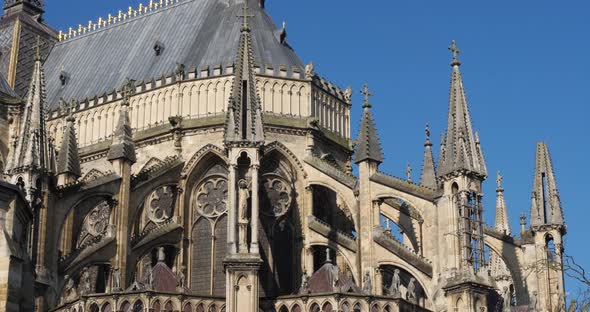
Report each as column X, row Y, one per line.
column 367, row 285
column 411, row 295
column 506, row 299
column 69, row 292
column 243, row 221
column 395, row 284
column 116, row 275
column 304, row 289
column 181, row 279
column 533, row 306
column 84, row 284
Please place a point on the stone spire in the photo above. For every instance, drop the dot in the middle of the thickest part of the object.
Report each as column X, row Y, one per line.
column 462, row 151
column 368, row 146
column 68, row 163
column 428, row 177
column 244, row 117
column 123, row 146
column 502, row 222
column 31, row 149
column 546, row 206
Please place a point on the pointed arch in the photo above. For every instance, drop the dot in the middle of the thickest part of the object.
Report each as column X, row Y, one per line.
column 200, row 154
column 281, row 148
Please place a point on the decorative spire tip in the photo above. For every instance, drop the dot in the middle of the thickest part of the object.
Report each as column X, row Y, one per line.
column 245, row 16
column 455, row 50
column 365, row 91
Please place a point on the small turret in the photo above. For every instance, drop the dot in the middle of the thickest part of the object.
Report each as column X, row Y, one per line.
column 30, row 154
column 428, row 177
column 123, row 146
column 68, row 163
column 546, row 206
column 462, row 150
column 368, row 145
column 502, row 222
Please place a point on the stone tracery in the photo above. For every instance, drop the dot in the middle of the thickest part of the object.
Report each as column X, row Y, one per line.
column 95, row 224
column 211, row 197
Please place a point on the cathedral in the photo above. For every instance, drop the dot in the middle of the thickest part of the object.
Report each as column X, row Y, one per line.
column 179, row 156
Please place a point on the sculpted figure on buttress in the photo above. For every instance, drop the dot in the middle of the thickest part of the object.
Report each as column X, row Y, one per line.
column 243, row 221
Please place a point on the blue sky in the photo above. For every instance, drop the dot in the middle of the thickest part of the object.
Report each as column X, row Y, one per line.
column 525, row 69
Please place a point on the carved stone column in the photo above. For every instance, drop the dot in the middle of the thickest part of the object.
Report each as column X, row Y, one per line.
column 231, row 211
column 254, row 249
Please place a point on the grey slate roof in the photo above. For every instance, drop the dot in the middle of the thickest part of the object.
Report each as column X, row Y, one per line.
column 195, row 33
column 5, row 89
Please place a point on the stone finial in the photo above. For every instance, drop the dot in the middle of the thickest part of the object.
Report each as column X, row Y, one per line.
column 409, row 172
column 245, row 16
column 365, row 91
column 499, row 181
column 455, row 50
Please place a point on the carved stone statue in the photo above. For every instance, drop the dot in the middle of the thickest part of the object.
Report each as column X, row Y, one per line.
column 304, row 289
column 84, row 284
column 506, row 299
column 395, row 284
column 148, row 275
column 69, row 292
column 309, row 70
column 243, row 222
column 116, row 275
column 181, row 278
column 533, row 304
column 348, row 94
column 411, row 294
column 367, row 285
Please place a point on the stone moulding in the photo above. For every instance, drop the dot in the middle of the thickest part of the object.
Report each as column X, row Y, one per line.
column 344, row 178
column 405, row 186
column 145, row 237
column 88, row 249
column 402, row 251
column 326, row 230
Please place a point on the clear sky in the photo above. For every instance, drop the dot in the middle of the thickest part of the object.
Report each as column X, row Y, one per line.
column 525, row 66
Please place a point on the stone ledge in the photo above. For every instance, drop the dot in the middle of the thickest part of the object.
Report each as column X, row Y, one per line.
column 402, row 251
column 326, row 230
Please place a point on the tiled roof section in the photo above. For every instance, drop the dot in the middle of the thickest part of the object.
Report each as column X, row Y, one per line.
column 546, row 205
column 68, row 160
column 462, row 150
column 195, row 33
column 5, row 89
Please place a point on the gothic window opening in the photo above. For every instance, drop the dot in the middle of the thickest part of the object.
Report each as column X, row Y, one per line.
column 327, row 307
column 331, row 209
column 138, row 306
column 94, row 308
column 471, row 236
column 545, row 204
column 551, row 251
column 280, row 227
column 208, row 241
column 398, row 283
column 95, row 225
column 157, row 209
column 107, row 308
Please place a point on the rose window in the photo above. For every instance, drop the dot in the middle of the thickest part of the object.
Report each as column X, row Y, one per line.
column 277, row 197
column 96, row 223
column 161, row 204
column 211, row 199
